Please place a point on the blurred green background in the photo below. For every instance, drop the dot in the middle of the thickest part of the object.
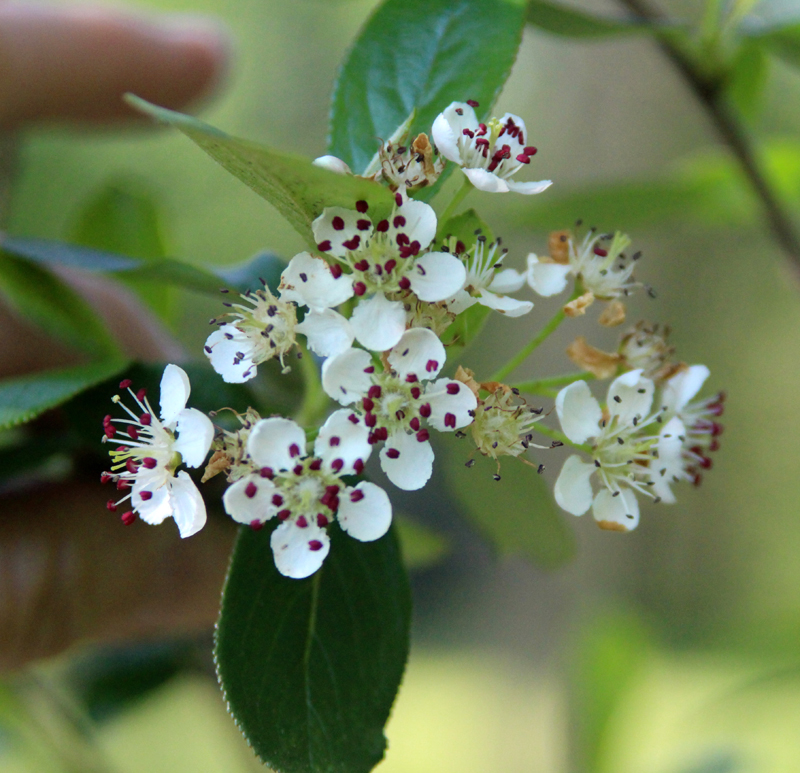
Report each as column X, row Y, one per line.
column 670, row 650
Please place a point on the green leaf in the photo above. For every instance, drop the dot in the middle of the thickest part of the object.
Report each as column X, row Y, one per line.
column 780, row 35
column 248, row 276
column 515, row 514
column 421, row 546
column 310, row 668
column 421, row 54
column 23, row 399
column 747, row 78
column 52, row 305
column 575, row 23
column 292, row 184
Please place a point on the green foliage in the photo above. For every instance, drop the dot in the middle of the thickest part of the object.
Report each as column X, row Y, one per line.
column 515, row 514
column 747, row 78
column 421, row 54
column 310, row 668
column 780, row 38
column 571, row 22
column 292, row 184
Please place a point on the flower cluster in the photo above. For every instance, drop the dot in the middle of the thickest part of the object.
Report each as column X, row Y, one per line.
column 380, row 309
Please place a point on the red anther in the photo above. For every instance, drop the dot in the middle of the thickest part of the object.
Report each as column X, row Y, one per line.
column 298, row 469
column 149, row 463
column 374, row 392
column 381, row 433
column 362, row 206
column 414, row 247
column 315, row 465
column 146, row 495
column 107, row 419
column 145, row 419
column 493, row 165
column 398, row 199
column 125, row 383
column 301, row 522
column 481, row 143
column 277, row 500
column 460, row 247
column 530, row 151
column 131, row 466
column 122, row 484
column 337, row 464
column 128, row 518
column 600, row 252
column 423, row 435
column 378, row 270
column 714, row 445
column 390, row 264
column 402, row 240
column 284, row 514
column 334, row 441
column 363, row 225
column 367, row 404
column 392, row 453
column 332, row 489
column 250, row 490
column 324, row 246
column 255, row 524
column 358, row 466
column 109, row 431
column 120, row 449
column 314, row 545
column 706, row 463
column 472, row 103
column 337, row 223
column 322, row 522
column 359, row 288
column 266, row 472
column 336, row 270
column 404, row 283
column 357, row 494
column 294, row 450
column 481, row 129
column 141, row 394
column 353, row 418
column 352, row 244
column 361, row 265
column 523, row 159
column 468, row 133
column 371, row 439
column 399, row 415
column 399, row 221
column 431, row 365
column 132, row 433
column 416, row 392
column 716, row 429
column 698, row 479
column 425, row 410
column 453, row 388
column 382, row 227
column 450, row 420
column 370, row 419
column 111, row 505
column 105, row 477
column 414, row 424
column 411, row 378
column 369, row 369
column 716, row 409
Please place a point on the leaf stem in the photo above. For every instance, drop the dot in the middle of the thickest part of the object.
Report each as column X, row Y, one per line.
column 455, row 202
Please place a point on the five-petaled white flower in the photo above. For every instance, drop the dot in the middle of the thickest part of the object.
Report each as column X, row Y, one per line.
column 488, row 153
column 623, row 451
column 152, row 451
column 387, row 258
column 395, row 404
column 307, row 493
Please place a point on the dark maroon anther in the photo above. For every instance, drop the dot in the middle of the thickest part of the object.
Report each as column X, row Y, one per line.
column 357, row 494
column 404, row 283
column 207, row 349
column 111, row 505
column 369, row 369
column 414, row 247
column 714, row 445
column 128, row 518
column 149, row 463
column 324, row 246
column 411, row 378
column 301, row 522
column 423, row 435
column 146, row 495
column 255, row 524
column 453, row 388
column 371, row 439
column 250, row 490
column 145, row 419
column 367, row 404
column 277, row 500
column 132, row 433
column 362, row 206
column 392, row 453
column 414, row 424
column 450, row 420
column 122, row 484
column 472, row 103
column 109, row 431
column 459, row 111
column 390, row 264
column 266, row 472
column 402, row 240
column 336, row 270
column 425, row 410
column 481, row 143
column 377, row 268
column 530, row 151
column 107, row 419
column 284, row 514
column 314, row 545
column 298, row 469
column 468, row 133
column 361, row 265
column 399, row 415
column 294, row 450
column 315, row 465
column 706, row 463
column 353, row 418
column 337, row 223
column 125, row 383
column 381, row 433
column 334, row 441
column 600, row 252
column 716, row 409
column 460, row 247
column 105, row 477
column 141, row 394
column 698, row 479
column 382, row 227
column 322, row 522
column 493, row 165
column 431, row 365
column 416, row 392
column 352, row 244
column 523, row 159
column 131, row 466
column 398, row 199
column 370, row 419
column 363, row 225
column 358, row 466
column 399, row 221
column 374, row 392
column 337, row 464
column 359, row 288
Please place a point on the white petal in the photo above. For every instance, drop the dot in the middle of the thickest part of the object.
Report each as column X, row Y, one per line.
column 630, row 395
column 378, row 322
column 452, row 404
column 578, row 412
column 528, row 188
column 188, row 508
column 328, row 332
column 276, row 443
column 419, row 351
column 669, row 464
column 511, row 307
column 573, row 490
column 332, row 164
column 365, row 512
column 250, row 499
column 294, row 551
column 437, row 276
column 683, row 386
column 224, row 355
column 345, row 377
column 341, row 440
column 159, row 506
column 448, row 127
column 486, row 181
column 173, row 393
column 331, row 238
column 419, row 225
column 308, row 281
column 622, row 510
column 413, row 467
column 518, row 141
column 460, row 302
column 508, row 280
column 547, row 278
column 195, row 433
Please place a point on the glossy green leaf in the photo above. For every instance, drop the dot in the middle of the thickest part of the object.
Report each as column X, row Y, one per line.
column 421, row 54
column 48, row 302
column 310, row 668
column 23, row 399
column 292, row 184
column 516, row 514
column 575, row 23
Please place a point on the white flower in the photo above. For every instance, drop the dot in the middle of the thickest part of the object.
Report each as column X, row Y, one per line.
column 622, row 450
column 488, row 283
column 395, row 404
column 489, row 153
column 153, row 449
column 258, row 332
column 387, row 258
column 502, row 426
column 306, row 493
column 604, row 270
